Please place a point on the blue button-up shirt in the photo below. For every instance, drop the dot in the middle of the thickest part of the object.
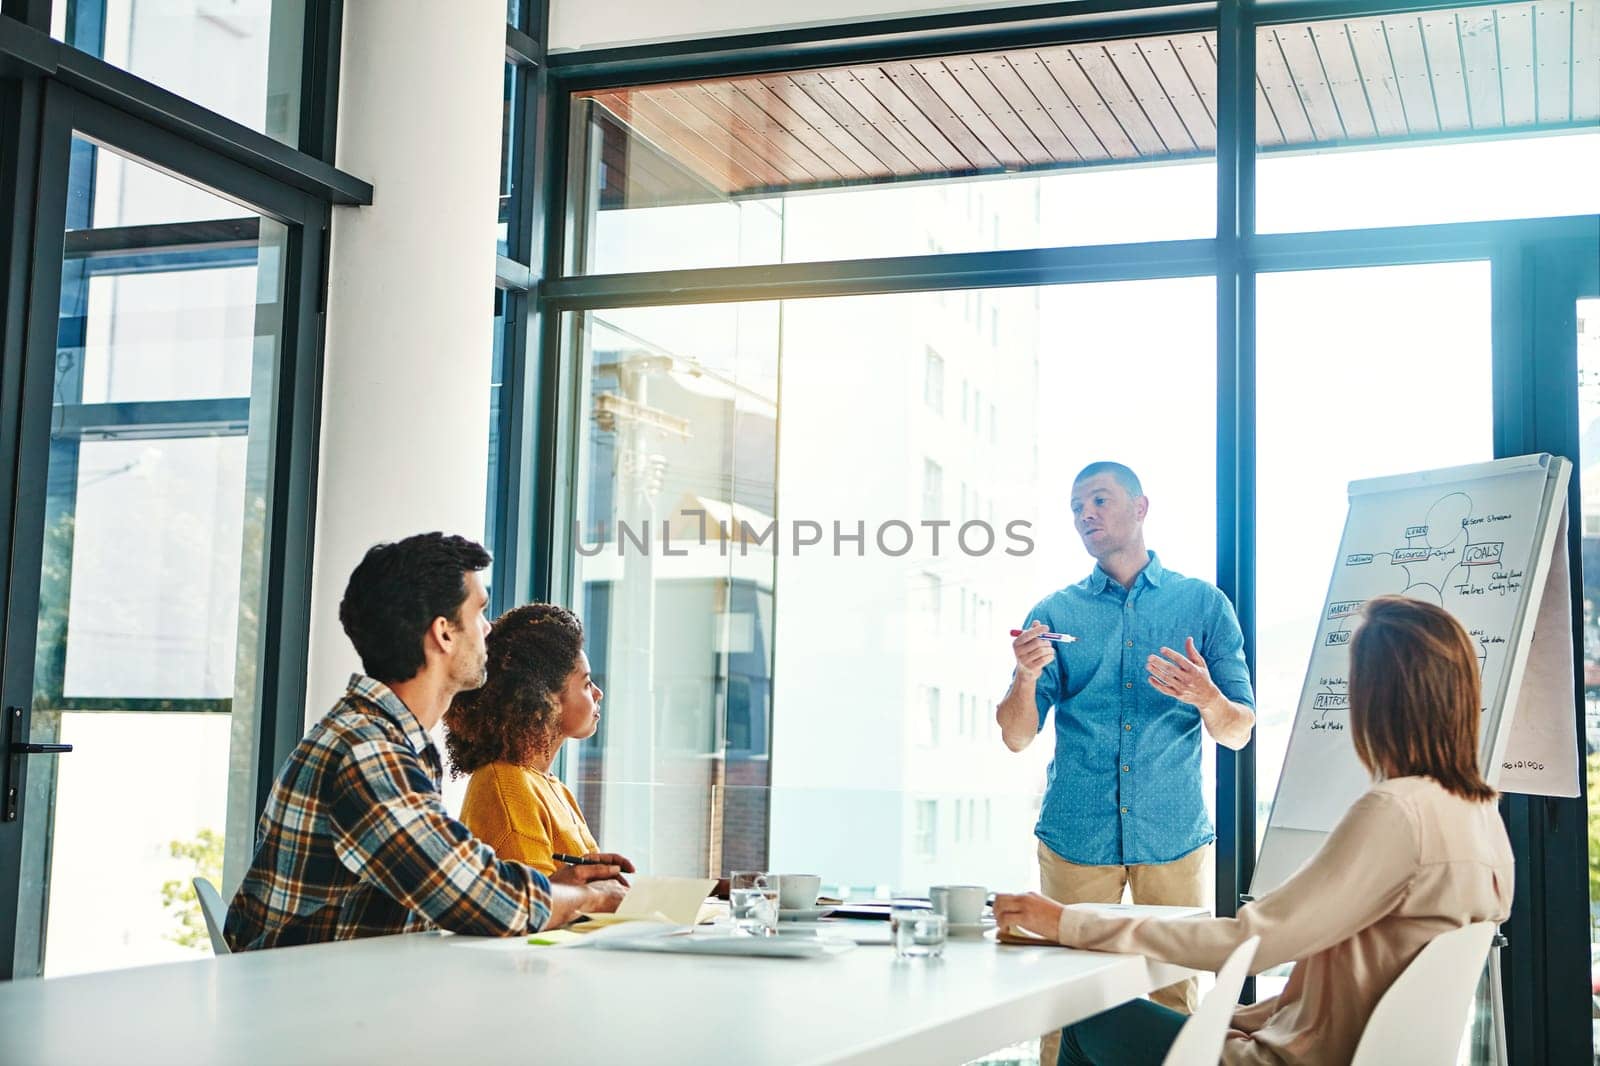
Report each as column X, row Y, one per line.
column 1124, row 785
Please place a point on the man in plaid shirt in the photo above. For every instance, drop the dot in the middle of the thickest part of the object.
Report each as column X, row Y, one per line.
column 355, row 841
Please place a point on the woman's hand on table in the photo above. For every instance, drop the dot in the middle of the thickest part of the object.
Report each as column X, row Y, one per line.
column 621, row 862
column 1029, row 911
column 595, row 888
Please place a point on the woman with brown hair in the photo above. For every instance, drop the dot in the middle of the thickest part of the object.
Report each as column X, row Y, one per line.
column 538, row 695
column 1421, row 852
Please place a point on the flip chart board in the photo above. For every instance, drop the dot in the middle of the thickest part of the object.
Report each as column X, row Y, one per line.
column 1488, row 543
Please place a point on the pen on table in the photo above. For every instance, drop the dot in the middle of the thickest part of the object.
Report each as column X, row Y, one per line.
column 1059, row 638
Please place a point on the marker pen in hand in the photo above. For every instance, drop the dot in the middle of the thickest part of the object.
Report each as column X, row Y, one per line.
column 1059, row 638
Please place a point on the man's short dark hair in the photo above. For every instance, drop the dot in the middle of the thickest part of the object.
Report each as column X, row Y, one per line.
column 1124, row 476
column 397, row 591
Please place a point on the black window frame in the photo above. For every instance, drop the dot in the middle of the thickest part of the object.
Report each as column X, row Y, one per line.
column 49, row 94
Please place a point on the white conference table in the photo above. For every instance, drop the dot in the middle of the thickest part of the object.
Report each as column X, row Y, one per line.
column 438, row 998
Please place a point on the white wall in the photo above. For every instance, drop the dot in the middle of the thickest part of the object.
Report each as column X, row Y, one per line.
column 405, row 415
column 578, row 24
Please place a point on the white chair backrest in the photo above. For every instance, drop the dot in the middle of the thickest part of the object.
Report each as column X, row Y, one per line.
column 1422, row 1017
column 213, row 911
column 1199, row 1042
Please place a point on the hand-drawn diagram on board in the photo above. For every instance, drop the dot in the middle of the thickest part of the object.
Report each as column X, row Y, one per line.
column 1446, row 559
column 1471, row 540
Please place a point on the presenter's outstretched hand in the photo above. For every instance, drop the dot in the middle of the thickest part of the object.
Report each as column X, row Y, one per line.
column 1183, row 676
column 1029, row 911
column 1033, row 652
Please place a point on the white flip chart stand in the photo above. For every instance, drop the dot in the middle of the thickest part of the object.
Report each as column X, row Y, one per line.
column 1488, row 543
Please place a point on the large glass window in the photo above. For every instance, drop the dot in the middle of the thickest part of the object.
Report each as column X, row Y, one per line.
column 1439, row 115
column 753, row 502
column 839, row 414
column 1035, row 148
column 510, row 143
column 151, row 589
column 1360, row 373
column 239, row 58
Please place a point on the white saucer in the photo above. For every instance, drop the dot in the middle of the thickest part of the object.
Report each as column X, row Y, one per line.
column 803, row 914
column 970, row 928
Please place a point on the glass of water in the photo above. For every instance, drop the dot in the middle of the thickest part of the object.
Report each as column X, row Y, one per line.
column 754, row 900
column 917, row 930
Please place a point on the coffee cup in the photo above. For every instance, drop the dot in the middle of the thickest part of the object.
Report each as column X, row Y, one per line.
column 798, row 892
column 961, row 904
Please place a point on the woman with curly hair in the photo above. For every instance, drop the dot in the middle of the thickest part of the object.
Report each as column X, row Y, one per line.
column 538, row 695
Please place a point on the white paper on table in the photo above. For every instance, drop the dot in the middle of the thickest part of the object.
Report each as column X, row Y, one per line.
column 672, row 899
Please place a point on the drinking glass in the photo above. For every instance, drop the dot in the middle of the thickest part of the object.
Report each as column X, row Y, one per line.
column 753, row 897
column 918, row 931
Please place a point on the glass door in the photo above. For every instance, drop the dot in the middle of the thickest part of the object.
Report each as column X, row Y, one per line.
column 142, row 616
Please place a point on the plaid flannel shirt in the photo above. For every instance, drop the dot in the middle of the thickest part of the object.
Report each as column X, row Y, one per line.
column 355, row 842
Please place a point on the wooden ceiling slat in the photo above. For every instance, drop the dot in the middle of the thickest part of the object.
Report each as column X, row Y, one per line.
column 647, row 174
column 1097, row 66
column 1552, row 49
column 839, row 109
column 1268, row 130
column 1166, row 59
column 916, row 89
column 629, row 162
column 1586, row 60
column 760, row 140
column 1371, row 50
column 1338, row 62
column 1030, row 67
column 628, row 173
column 1480, row 50
column 943, row 83
column 1533, row 62
column 784, row 87
column 1200, row 60
column 1404, row 36
column 1022, row 101
column 753, row 117
column 1277, row 81
column 718, row 135
column 803, row 131
column 1310, row 80
column 1086, row 98
column 1514, row 26
column 1152, row 97
column 671, row 138
column 976, row 84
column 883, row 85
column 1442, row 44
column 880, row 118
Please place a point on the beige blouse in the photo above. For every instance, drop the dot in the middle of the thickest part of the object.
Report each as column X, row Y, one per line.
column 1408, row 860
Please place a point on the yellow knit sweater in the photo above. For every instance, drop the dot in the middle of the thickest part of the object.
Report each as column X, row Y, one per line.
column 525, row 815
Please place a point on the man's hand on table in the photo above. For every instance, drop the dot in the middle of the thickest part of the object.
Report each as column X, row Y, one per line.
column 1029, row 911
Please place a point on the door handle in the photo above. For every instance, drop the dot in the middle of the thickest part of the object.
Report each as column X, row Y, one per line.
column 17, row 749
column 40, row 749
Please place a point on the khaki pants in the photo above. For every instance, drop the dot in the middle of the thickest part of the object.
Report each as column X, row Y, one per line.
column 1186, row 882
